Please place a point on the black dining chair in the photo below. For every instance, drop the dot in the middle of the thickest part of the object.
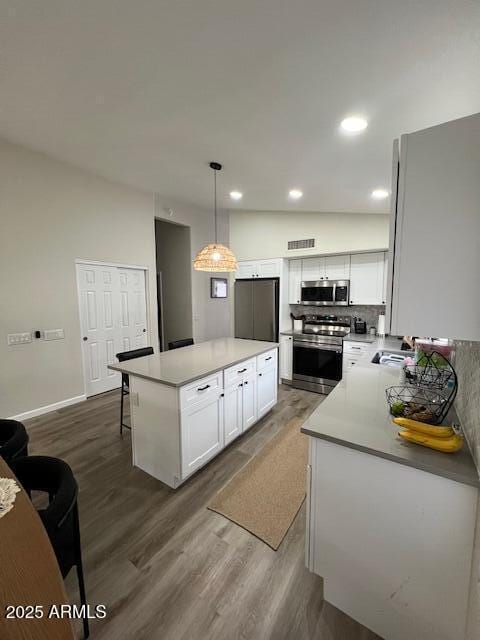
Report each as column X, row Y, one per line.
column 13, row 440
column 125, row 390
column 177, row 344
column 60, row 517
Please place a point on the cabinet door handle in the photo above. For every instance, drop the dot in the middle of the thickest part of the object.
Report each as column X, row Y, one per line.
column 203, row 388
column 246, row 382
column 241, row 384
column 260, row 374
column 242, row 370
column 222, row 395
column 269, row 358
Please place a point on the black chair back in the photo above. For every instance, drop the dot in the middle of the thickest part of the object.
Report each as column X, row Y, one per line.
column 60, row 517
column 131, row 355
column 177, row 344
column 13, row 440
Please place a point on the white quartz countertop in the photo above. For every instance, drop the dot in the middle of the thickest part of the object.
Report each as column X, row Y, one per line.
column 356, row 415
column 181, row 366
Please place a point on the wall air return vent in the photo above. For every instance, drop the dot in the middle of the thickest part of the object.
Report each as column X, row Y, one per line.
column 301, row 244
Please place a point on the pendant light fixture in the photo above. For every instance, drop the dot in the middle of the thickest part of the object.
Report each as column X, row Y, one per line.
column 215, row 257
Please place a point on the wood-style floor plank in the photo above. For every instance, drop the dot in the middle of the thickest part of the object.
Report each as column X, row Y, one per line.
column 164, row 565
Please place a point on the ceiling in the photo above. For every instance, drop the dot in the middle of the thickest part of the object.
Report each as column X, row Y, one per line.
column 148, row 92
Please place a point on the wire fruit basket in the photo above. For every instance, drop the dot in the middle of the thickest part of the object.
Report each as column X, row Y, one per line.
column 430, row 390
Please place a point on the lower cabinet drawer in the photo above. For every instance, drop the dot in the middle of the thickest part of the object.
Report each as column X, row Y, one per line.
column 351, row 347
column 267, row 359
column 196, row 392
column 239, row 371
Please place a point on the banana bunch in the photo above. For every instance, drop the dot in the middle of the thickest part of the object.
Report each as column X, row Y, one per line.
column 440, row 438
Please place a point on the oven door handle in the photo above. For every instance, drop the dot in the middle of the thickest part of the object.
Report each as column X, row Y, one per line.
column 319, row 347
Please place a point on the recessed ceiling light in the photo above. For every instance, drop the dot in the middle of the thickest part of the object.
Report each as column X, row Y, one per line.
column 236, row 195
column 354, row 124
column 295, row 194
column 380, row 194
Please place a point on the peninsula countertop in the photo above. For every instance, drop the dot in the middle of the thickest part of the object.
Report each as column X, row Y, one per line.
column 356, row 415
column 181, row 366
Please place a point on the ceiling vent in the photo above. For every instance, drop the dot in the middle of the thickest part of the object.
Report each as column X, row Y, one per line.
column 301, row 244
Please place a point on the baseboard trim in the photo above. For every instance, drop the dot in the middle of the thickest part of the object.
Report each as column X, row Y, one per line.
column 33, row 413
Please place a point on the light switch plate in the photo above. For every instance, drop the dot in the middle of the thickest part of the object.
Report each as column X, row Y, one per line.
column 54, row 334
column 19, row 338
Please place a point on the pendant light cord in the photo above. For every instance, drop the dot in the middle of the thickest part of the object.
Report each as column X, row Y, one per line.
column 215, row 201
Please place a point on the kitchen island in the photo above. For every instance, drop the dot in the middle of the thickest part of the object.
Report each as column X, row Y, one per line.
column 390, row 524
column 186, row 405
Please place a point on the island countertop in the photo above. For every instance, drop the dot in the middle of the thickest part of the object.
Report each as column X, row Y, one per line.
column 181, row 366
column 356, row 415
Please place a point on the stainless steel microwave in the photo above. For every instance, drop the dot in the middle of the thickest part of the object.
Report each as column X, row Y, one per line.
column 326, row 293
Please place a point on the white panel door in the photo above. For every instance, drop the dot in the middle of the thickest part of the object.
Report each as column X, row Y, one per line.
column 98, row 290
column 337, row 267
column 232, row 426
column 133, row 313
column 112, row 318
column 249, row 402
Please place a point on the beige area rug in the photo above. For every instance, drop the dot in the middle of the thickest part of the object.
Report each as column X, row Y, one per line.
column 265, row 496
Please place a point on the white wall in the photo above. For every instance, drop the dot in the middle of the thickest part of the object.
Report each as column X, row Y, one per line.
column 52, row 213
column 265, row 234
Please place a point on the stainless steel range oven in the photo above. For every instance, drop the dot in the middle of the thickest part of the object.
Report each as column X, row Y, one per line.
column 318, row 353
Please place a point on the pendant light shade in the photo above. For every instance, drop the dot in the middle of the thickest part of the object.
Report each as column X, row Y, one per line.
column 215, row 257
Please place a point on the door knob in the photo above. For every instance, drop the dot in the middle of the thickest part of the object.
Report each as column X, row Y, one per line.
column 144, row 330
column 85, row 338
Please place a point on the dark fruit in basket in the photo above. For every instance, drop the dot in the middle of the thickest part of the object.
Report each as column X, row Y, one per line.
column 423, row 416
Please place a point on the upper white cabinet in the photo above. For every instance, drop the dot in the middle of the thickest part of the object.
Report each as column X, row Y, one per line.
column 337, row 267
column 259, row 269
column 435, row 232
column 367, row 273
column 294, row 281
column 326, row 268
column 367, row 278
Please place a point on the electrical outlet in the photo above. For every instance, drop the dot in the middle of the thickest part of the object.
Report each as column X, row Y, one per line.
column 19, row 338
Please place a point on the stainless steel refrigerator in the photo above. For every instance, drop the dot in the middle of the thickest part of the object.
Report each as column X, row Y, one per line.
column 256, row 309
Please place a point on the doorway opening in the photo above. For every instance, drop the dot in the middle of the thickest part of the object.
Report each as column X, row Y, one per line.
column 174, row 282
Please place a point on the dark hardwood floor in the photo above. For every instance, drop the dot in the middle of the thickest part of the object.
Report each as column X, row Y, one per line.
column 164, row 565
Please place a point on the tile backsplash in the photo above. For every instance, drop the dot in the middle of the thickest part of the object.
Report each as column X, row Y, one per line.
column 467, row 403
column 369, row 313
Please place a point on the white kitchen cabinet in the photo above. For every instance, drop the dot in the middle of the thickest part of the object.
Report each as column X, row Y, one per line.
column 201, row 433
column 286, row 357
column 266, row 390
column 259, row 269
column 385, row 278
column 336, row 267
column 313, row 268
column 294, row 281
column 366, row 278
column 233, row 412
column 435, row 231
column 249, row 402
column 388, row 525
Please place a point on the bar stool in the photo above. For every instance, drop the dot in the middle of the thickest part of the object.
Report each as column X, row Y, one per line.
column 122, row 357
column 13, row 440
column 60, row 517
